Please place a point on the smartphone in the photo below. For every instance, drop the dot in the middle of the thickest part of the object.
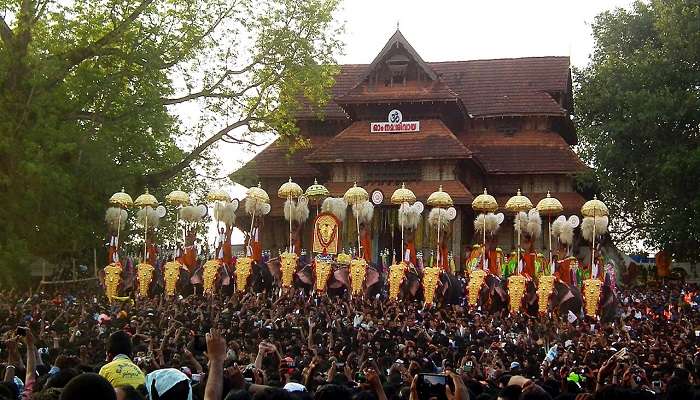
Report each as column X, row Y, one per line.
column 199, row 344
column 21, row 331
column 432, row 386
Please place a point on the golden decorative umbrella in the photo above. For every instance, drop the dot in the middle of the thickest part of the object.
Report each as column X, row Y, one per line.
column 440, row 199
column 516, row 204
column 143, row 201
column 356, row 195
column 549, row 206
column 403, row 195
column 316, row 193
column 289, row 190
column 400, row 196
column 485, row 203
column 177, row 198
column 146, row 200
column 594, row 208
column 121, row 199
column 258, row 194
column 218, row 195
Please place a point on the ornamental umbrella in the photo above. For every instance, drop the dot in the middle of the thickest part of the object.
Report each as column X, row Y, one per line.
column 484, row 203
column 144, row 201
column 549, row 206
column 356, row 195
column 517, row 204
column 123, row 201
column 439, row 200
column 316, row 193
column 594, row 208
column 289, row 190
column 256, row 194
column 400, row 196
column 178, row 199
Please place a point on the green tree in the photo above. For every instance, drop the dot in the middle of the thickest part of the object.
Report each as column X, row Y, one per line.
column 92, row 93
column 638, row 112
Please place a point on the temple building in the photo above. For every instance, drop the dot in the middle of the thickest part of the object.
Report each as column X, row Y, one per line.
column 501, row 124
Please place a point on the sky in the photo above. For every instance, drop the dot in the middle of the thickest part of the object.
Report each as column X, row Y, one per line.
column 444, row 30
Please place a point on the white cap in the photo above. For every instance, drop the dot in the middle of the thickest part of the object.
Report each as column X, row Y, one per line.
column 294, row 387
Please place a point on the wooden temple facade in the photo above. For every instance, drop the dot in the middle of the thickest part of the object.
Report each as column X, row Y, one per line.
column 501, row 124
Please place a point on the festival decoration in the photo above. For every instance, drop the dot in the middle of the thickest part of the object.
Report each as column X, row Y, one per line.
column 358, row 272
column 516, row 291
column 591, row 296
column 598, row 213
column 439, row 200
column 171, row 277
column 336, row 206
column 147, row 202
column 290, row 191
column 326, row 234
column 322, row 271
column 257, row 202
column 316, row 193
column 343, row 259
column 144, row 271
column 549, row 206
column 113, row 278
column 356, row 195
column 211, row 270
column 518, row 204
column 477, row 278
column 244, row 268
column 544, row 292
column 288, row 267
column 400, row 197
column 484, row 204
column 397, row 273
column 116, row 219
column 431, row 277
column 178, row 199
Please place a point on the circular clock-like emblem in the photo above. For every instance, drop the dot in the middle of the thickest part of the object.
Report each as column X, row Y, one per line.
column 377, row 197
column 395, row 117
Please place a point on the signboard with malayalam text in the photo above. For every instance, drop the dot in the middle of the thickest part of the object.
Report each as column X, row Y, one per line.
column 394, row 124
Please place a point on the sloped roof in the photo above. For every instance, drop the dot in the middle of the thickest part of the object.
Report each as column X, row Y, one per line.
column 357, row 144
column 522, row 152
column 488, row 88
column 275, row 160
column 412, row 91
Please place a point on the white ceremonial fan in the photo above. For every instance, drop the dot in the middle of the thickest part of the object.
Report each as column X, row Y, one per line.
column 203, row 210
column 500, row 217
column 419, row 207
column 561, row 218
column 574, row 221
column 234, row 203
column 266, row 208
column 161, row 211
column 451, row 213
column 303, row 200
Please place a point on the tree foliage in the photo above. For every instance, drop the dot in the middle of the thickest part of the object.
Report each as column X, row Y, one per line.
column 92, row 93
column 638, row 112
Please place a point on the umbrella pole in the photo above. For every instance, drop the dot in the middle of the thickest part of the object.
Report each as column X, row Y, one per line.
column 518, row 264
column 403, row 251
column 119, row 226
column 289, row 199
column 593, row 246
column 483, row 256
column 145, row 237
column 250, row 232
column 437, row 257
column 551, row 254
column 357, row 222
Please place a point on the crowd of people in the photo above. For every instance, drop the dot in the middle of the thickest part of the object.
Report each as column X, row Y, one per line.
column 68, row 342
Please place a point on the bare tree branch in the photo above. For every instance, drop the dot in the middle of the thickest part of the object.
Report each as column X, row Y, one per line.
column 6, row 33
column 156, row 178
column 210, row 91
column 234, row 140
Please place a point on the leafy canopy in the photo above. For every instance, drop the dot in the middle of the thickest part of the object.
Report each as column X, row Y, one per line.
column 91, row 94
column 638, row 112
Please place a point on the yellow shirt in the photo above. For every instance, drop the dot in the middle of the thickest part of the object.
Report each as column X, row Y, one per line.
column 121, row 371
